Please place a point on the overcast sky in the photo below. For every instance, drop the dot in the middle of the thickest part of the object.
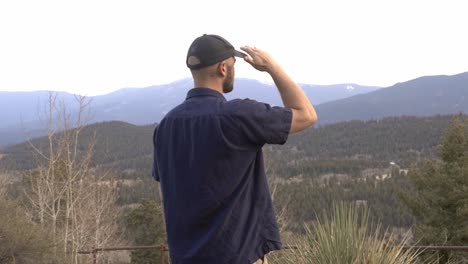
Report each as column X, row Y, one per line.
column 94, row 47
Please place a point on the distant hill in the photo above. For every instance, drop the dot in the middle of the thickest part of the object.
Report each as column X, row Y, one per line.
column 116, row 141
column 26, row 107
column 369, row 143
column 149, row 105
column 20, row 111
column 23, row 114
column 425, row 96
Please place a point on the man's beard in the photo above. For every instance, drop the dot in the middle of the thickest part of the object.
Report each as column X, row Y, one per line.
column 228, row 84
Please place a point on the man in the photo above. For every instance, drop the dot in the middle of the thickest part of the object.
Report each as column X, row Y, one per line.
column 208, row 158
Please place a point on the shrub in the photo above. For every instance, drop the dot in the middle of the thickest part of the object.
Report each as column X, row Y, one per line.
column 345, row 235
column 22, row 241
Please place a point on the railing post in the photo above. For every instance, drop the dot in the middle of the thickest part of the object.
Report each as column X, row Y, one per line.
column 94, row 256
column 161, row 250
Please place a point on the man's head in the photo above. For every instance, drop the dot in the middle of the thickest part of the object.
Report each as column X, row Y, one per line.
column 211, row 58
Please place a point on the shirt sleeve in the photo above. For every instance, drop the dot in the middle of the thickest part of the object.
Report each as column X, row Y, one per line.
column 155, row 170
column 261, row 123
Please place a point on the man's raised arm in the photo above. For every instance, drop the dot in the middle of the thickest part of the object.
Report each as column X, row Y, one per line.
column 292, row 95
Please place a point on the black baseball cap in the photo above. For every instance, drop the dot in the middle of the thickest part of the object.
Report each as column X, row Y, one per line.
column 208, row 50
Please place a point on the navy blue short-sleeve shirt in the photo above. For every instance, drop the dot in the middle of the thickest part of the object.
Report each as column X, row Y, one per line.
column 208, row 160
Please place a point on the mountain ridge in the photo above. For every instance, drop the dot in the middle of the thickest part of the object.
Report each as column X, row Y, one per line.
column 137, row 105
column 423, row 96
column 407, row 138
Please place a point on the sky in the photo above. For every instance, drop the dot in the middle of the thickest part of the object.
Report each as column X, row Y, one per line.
column 93, row 47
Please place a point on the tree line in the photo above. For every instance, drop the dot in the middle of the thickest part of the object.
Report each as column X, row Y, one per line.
column 84, row 187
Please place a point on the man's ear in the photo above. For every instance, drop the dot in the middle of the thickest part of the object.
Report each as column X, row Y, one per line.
column 222, row 68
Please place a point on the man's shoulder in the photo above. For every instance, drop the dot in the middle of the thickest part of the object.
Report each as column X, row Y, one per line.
column 243, row 101
column 176, row 110
column 244, row 106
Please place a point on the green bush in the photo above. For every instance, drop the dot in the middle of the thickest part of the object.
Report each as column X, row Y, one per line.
column 21, row 240
column 439, row 195
column 145, row 226
column 345, row 235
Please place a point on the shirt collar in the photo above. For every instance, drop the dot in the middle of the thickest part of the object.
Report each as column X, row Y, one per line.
column 204, row 92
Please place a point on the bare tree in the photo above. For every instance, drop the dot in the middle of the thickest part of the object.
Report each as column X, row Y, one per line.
column 67, row 195
column 4, row 181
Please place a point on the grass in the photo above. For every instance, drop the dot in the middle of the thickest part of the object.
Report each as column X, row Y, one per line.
column 345, row 235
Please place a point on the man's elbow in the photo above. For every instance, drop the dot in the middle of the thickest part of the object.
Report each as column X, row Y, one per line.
column 312, row 118
column 302, row 120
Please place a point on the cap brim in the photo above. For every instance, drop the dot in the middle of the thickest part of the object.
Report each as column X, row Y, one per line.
column 239, row 54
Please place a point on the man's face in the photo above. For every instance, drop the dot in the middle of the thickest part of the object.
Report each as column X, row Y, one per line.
column 228, row 84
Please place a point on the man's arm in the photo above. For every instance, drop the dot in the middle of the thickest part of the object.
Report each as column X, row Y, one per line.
column 155, row 170
column 292, row 95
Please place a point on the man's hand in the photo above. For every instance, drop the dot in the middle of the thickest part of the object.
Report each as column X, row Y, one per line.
column 259, row 59
column 292, row 95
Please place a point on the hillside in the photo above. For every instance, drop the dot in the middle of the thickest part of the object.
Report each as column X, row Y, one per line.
column 116, row 142
column 21, row 112
column 399, row 139
column 308, row 173
column 425, row 96
column 356, row 145
column 26, row 107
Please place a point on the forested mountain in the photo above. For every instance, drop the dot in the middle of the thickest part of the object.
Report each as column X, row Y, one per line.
column 21, row 112
column 350, row 147
column 344, row 161
column 398, row 139
column 116, row 142
column 26, row 107
column 425, row 96
column 391, row 138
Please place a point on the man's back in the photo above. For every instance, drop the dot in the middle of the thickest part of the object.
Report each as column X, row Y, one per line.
column 208, row 158
column 209, row 161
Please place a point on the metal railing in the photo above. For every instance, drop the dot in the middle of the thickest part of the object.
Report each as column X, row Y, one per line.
column 438, row 248
column 163, row 248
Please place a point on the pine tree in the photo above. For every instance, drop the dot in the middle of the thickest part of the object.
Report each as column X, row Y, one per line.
column 439, row 201
column 146, row 227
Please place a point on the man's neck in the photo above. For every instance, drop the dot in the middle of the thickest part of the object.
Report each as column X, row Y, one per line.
column 213, row 85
